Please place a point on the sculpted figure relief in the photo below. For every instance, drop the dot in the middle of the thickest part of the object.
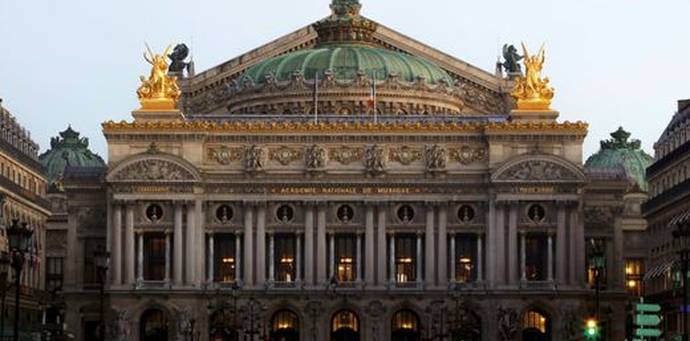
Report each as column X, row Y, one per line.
column 315, row 157
column 538, row 170
column 436, row 157
column 507, row 324
column 375, row 159
column 154, row 170
column 254, row 157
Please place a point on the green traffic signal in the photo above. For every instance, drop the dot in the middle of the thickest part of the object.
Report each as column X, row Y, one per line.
column 592, row 329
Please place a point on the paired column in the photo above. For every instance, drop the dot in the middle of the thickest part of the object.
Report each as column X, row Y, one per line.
column 190, row 245
column 178, row 239
column 442, row 245
column 129, row 246
column 549, row 256
column 248, row 243
column 309, row 244
column 358, row 258
column 561, row 269
column 512, row 244
column 210, row 258
column 238, row 255
column 500, row 245
column 369, row 265
column 572, row 248
column 331, row 255
column 260, row 259
column 298, row 257
column 523, row 256
column 452, row 258
column 321, row 245
column 381, row 221
column 116, row 250
column 429, row 249
column 480, row 257
column 391, row 258
column 491, row 243
column 271, row 258
column 168, row 255
column 140, row 258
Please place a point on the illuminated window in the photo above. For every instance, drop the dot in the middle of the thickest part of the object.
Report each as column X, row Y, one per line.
column 345, row 320
column 285, row 258
column 285, row 320
column 405, row 320
column 596, row 259
column 346, row 258
column 465, row 258
column 535, row 320
column 224, row 269
column 405, row 258
column 634, row 271
column 535, row 257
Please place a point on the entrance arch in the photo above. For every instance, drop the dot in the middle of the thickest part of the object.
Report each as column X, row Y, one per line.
column 345, row 326
column 536, row 326
column 284, row 326
column 222, row 326
column 405, row 326
column 153, row 325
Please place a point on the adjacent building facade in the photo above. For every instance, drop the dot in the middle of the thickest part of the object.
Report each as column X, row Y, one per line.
column 346, row 182
column 23, row 198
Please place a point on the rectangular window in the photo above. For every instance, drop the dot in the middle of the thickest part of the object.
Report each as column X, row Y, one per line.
column 634, row 271
column 405, row 258
column 91, row 245
column 154, row 256
column 535, row 257
column 285, row 258
column 54, row 273
column 596, row 260
column 224, row 258
column 346, row 258
column 465, row 258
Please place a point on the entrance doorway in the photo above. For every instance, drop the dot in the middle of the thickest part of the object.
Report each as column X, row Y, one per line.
column 405, row 326
column 153, row 326
column 536, row 326
column 345, row 326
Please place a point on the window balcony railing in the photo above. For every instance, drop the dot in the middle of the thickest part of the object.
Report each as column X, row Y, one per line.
column 149, row 285
column 538, row 285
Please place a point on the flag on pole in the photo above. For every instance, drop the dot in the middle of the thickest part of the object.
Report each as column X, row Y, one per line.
column 371, row 103
column 316, row 98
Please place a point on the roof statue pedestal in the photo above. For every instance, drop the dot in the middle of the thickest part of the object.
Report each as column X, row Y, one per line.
column 532, row 92
column 159, row 93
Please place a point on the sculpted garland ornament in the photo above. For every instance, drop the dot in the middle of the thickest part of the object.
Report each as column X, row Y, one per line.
column 224, row 155
column 467, row 155
column 285, row 155
column 346, row 155
column 405, row 155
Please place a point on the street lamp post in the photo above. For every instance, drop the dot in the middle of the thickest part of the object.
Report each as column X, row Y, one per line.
column 19, row 236
column 680, row 236
column 102, row 260
column 4, row 269
column 254, row 312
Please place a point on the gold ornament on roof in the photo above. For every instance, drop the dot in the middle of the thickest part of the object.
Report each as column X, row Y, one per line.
column 532, row 92
column 160, row 91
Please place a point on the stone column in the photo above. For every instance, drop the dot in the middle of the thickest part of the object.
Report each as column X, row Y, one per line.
column 199, row 238
column 572, row 247
column 369, row 265
column 178, row 238
column 168, row 256
column 429, row 269
column 381, row 244
column 442, row 245
column 321, row 245
column 260, row 260
column 453, row 271
column 512, row 244
column 491, row 243
column 480, row 257
column 549, row 256
column 248, row 244
column 238, row 255
column 271, row 258
column 309, row 244
column 561, row 268
column 129, row 246
column 331, row 255
column 190, row 245
column 580, row 248
column 117, row 244
column 140, row 258
column 418, row 260
column 523, row 256
column 210, row 259
column 500, row 245
column 298, row 257
column 358, row 258
column 391, row 258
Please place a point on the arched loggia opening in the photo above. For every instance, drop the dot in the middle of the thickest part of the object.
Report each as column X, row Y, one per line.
column 345, row 326
column 536, row 326
column 223, row 326
column 405, row 326
column 153, row 326
column 285, row 326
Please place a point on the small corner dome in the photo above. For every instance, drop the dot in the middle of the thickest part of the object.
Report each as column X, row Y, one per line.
column 68, row 149
column 621, row 153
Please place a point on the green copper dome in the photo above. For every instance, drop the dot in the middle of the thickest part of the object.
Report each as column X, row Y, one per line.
column 68, row 150
column 345, row 61
column 618, row 152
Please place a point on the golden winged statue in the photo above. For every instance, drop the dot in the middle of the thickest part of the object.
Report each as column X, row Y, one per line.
column 160, row 91
column 532, row 92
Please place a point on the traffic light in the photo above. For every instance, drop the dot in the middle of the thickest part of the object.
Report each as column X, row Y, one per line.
column 592, row 329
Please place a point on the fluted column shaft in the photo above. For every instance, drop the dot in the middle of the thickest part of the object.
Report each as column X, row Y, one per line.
column 369, row 265
column 523, row 256
column 117, row 244
column 381, row 242
column 480, row 257
column 129, row 246
column 331, row 255
column 298, row 257
column 168, row 256
column 442, row 245
column 549, row 257
column 238, row 256
column 418, row 260
column 271, row 258
column 211, row 256
column 500, row 245
column 190, row 245
column 178, row 238
column 321, row 257
column 309, row 244
column 248, row 244
column 512, row 245
column 561, row 246
column 391, row 258
column 453, row 271
column 140, row 257
column 358, row 258
column 260, row 259
column 429, row 247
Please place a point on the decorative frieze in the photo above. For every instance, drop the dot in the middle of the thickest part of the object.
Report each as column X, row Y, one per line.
column 224, row 155
column 539, row 170
column 346, row 155
column 254, row 158
column 405, row 155
column 375, row 159
column 467, row 155
column 153, row 170
column 315, row 157
column 285, row 155
column 436, row 157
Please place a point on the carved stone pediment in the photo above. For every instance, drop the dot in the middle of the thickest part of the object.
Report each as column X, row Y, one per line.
column 539, row 169
column 153, row 169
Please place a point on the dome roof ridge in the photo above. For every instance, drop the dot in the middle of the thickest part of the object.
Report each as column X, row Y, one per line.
column 621, row 152
column 68, row 150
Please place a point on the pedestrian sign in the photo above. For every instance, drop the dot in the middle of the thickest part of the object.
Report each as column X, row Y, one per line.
column 647, row 320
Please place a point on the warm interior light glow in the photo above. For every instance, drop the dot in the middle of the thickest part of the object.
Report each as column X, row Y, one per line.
column 406, row 325
column 465, row 260
column 628, row 270
column 286, row 260
column 347, row 260
column 407, row 260
column 632, row 284
column 228, row 260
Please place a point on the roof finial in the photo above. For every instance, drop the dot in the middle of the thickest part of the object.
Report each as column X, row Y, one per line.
column 346, row 7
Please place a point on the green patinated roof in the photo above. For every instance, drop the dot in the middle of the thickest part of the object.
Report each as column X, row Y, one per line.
column 68, row 150
column 345, row 61
column 619, row 152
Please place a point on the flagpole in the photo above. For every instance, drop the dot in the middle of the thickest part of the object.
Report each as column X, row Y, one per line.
column 316, row 98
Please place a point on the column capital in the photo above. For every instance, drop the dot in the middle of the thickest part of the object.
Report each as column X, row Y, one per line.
column 419, row 234
column 299, row 233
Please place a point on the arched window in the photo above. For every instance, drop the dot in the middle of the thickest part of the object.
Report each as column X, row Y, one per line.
column 345, row 326
column 285, row 326
column 223, row 326
column 536, row 326
column 405, row 326
column 153, row 326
